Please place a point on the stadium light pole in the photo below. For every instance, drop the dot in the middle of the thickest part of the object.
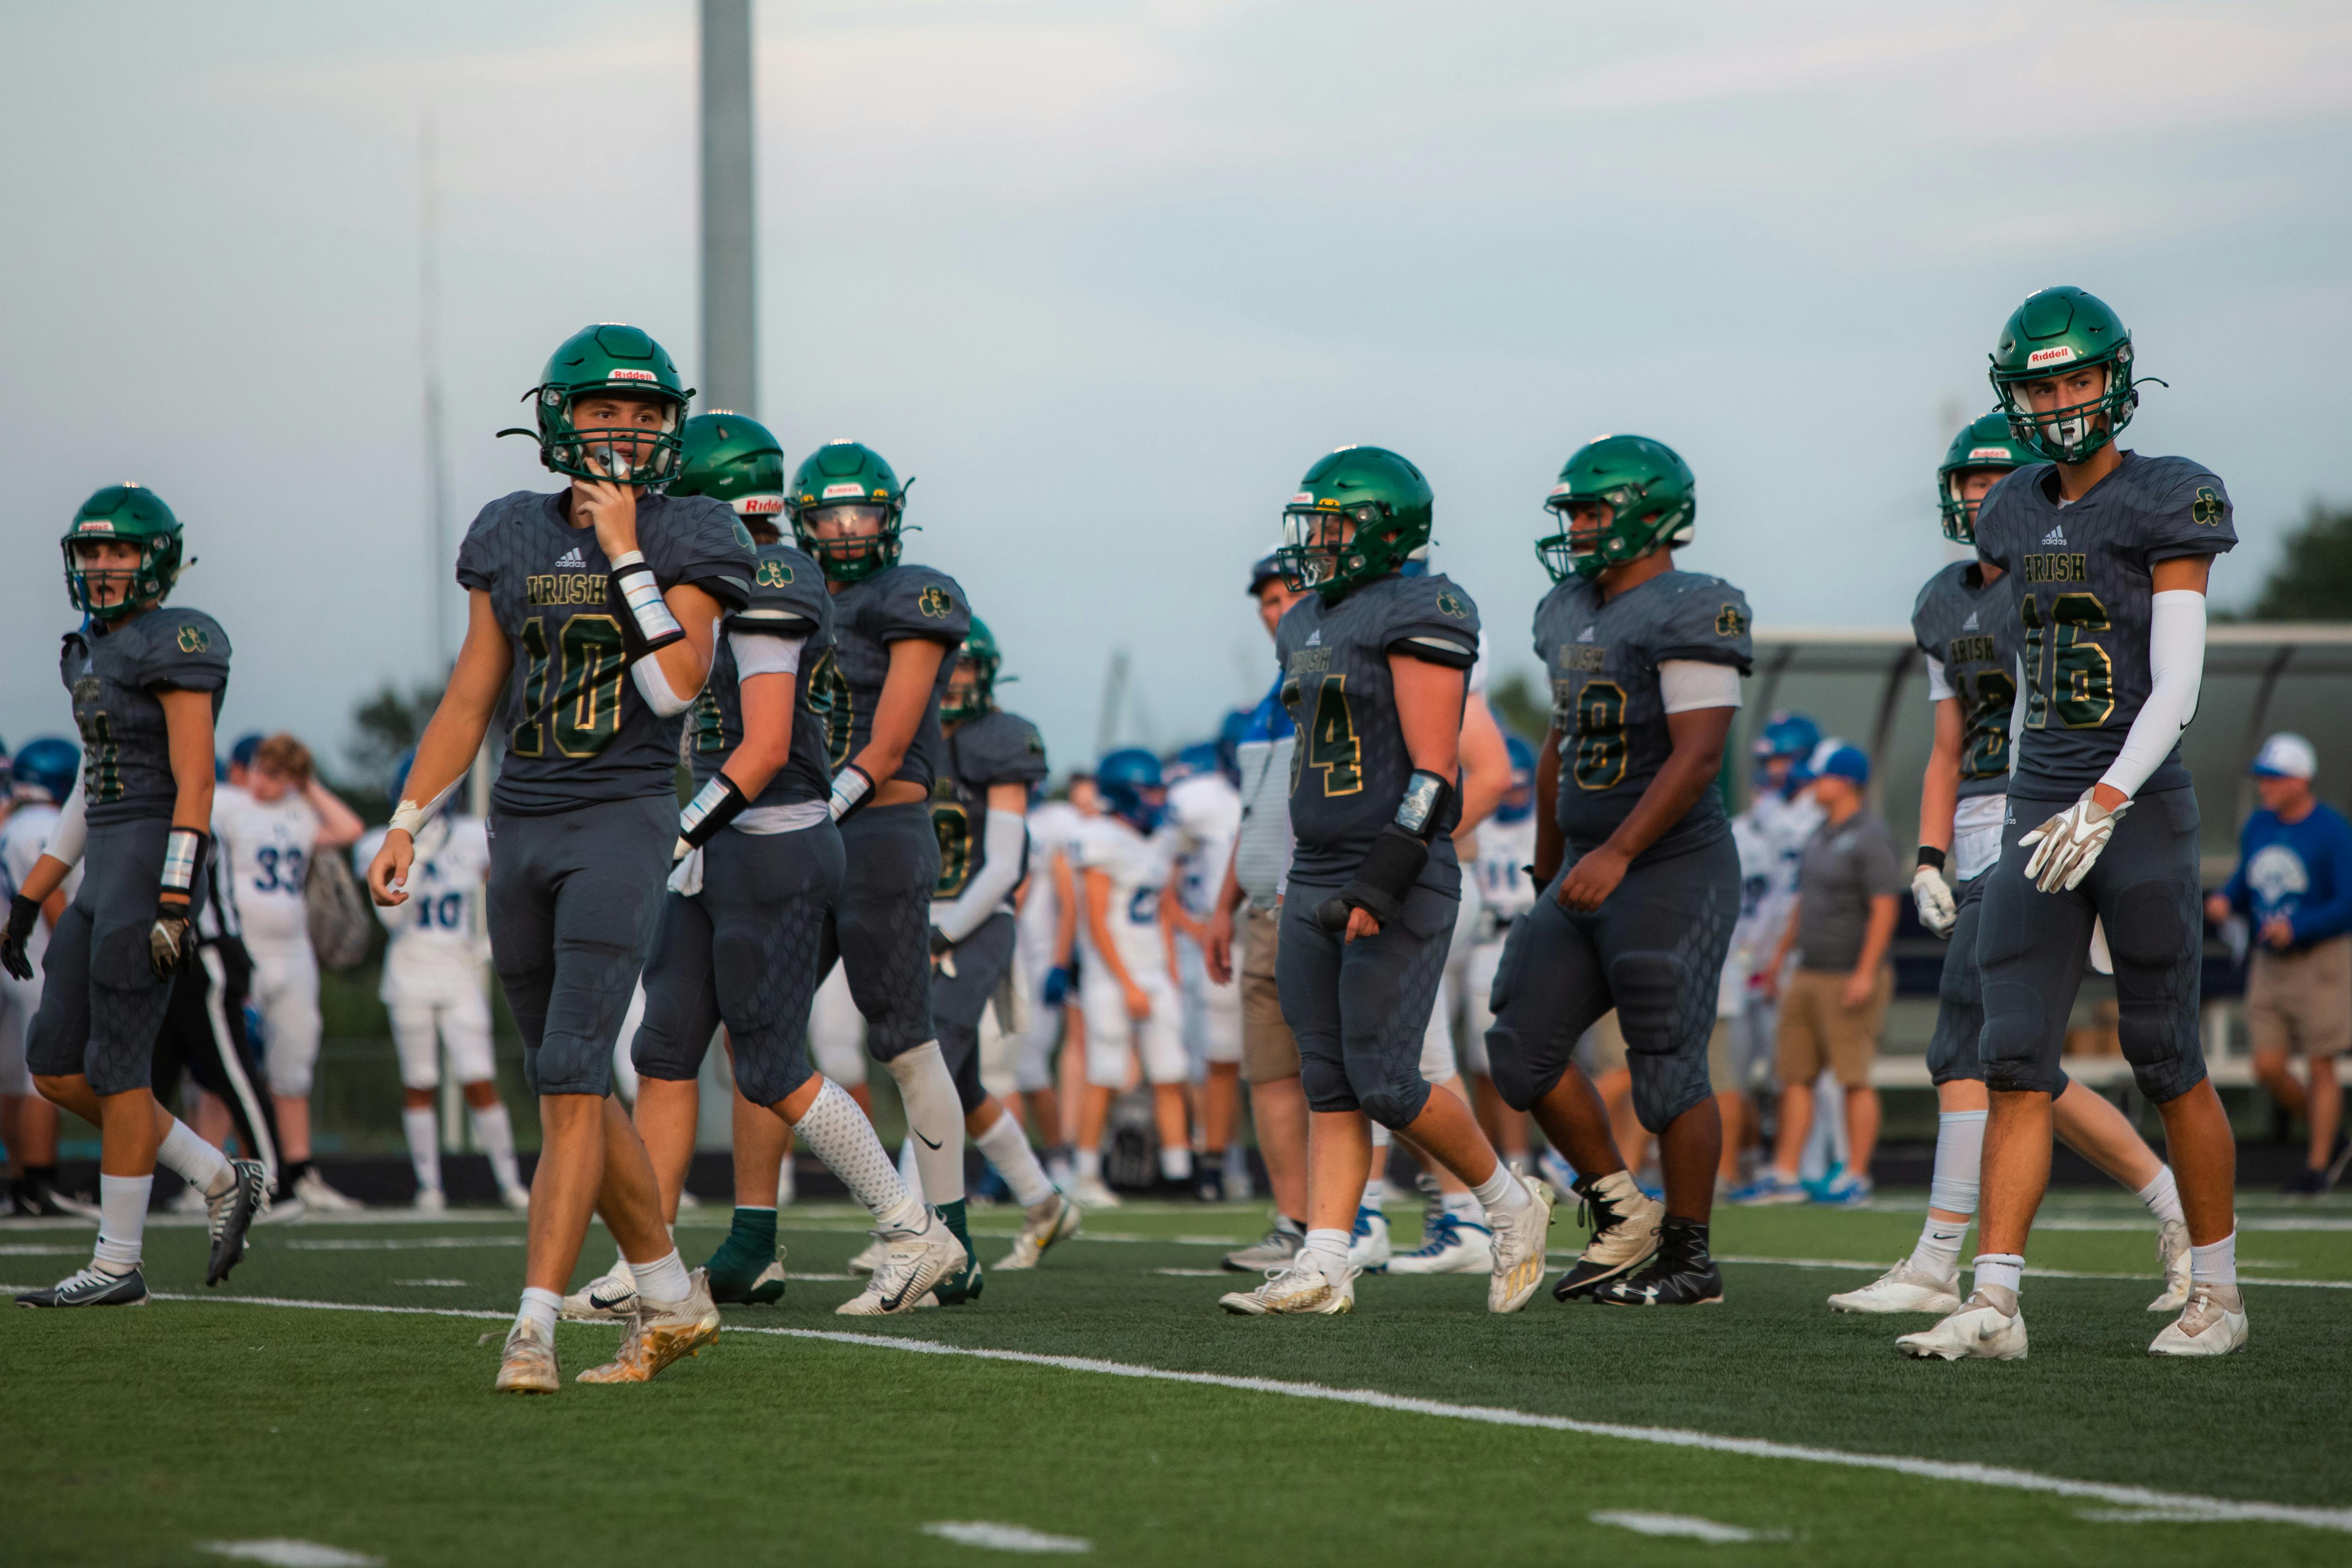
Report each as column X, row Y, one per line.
column 729, row 373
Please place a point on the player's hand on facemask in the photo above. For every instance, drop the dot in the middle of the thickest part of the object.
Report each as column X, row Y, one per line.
column 609, row 508
column 1932, row 895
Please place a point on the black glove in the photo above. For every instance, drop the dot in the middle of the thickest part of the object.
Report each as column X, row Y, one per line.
column 22, row 914
column 172, row 940
column 940, row 940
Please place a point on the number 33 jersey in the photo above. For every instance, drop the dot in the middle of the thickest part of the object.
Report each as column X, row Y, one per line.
column 2079, row 581
column 1964, row 623
column 1350, row 766
column 576, row 729
column 1602, row 657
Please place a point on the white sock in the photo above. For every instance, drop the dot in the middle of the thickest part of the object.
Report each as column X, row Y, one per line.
column 1959, row 1157
column 1327, row 1250
column 1008, row 1151
column 909, row 1172
column 1937, row 1251
column 2162, row 1196
column 2216, row 1264
column 837, row 1132
column 122, row 1221
column 494, row 1130
column 1376, row 1189
column 663, row 1280
column 539, row 1308
column 934, row 1119
column 1463, row 1204
column 195, row 1161
column 2006, row 1269
column 1501, row 1192
column 424, row 1130
column 1089, row 1165
column 1176, row 1164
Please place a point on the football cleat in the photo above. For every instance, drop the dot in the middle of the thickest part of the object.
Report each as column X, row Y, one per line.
column 1454, row 1246
column 1771, row 1188
column 1902, row 1289
column 2212, row 1324
column 608, row 1298
column 232, row 1214
column 1274, row 1250
column 94, row 1287
column 764, row 1288
column 1518, row 1246
column 913, row 1261
column 517, row 1198
column 1558, row 1174
column 189, row 1199
column 1683, row 1274
column 1298, row 1287
column 2173, row 1253
column 317, row 1198
column 1368, row 1248
column 78, row 1204
column 1209, row 1179
column 1043, row 1224
column 430, row 1200
column 1088, row 1192
column 1990, row 1326
column 1623, row 1222
column 528, row 1365
column 661, row 1332
column 869, row 1257
column 1844, row 1190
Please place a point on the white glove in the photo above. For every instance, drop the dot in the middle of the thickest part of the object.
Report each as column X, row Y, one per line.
column 1932, row 895
column 686, row 876
column 2068, row 844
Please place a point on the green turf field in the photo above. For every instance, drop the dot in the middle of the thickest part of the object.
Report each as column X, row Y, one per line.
column 1419, row 1430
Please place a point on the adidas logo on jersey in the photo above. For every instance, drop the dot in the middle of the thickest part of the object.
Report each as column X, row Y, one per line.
column 1585, row 635
column 2056, row 536
column 570, row 558
column 1970, row 623
column 1315, row 638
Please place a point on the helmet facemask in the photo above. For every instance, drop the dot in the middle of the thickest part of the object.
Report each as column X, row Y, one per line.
column 849, row 540
column 626, row 454
column 145, row 583
column 1329, row 548
column 2073, row 431
column 1960, row 513
column 969, row 698
column 1631, row 530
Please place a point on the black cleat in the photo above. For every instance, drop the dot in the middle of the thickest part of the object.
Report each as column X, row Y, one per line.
column 1683, row 1274
column 91, row 1289
column 1623, row 1222
column 1209, row 1179
column 232, row 1214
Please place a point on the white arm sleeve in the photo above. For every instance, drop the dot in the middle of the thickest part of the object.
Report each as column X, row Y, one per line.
column 1939, row 688
column 1687, row 683
column 2176, row 663
column 654, row 687
column 1005, row 839
column 760, row 654
column 72, row 828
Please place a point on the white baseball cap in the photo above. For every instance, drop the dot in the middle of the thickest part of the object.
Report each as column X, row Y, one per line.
column 2286, row 756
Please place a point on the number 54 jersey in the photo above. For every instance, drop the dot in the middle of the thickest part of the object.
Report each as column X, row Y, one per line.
column 1602, row 657
column 576, row 729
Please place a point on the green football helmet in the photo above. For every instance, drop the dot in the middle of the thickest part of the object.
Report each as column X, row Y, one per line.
column 131, row 513
column 2055, row 331
column 1984, row 443
column 733, row 458
column 607, row 357
column 1648, row 491
column 1384, row 495
column 980, row 652
column 849, row 481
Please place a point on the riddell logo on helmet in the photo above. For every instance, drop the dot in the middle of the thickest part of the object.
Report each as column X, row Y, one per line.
column 1997, row 453
column 1304, row 498
column 2058, row 355
column 632, row 376
column 760, row 505
column 851, row 491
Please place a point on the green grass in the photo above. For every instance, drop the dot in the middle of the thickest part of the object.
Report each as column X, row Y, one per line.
column 142, row 1434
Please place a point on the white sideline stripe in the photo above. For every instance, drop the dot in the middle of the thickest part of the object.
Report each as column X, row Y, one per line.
column 2214, row 1508
column 285, row 1553
column 411, row 1244
column 1004, row 1537
column 2245, row 1222
column 1685, row 1525
column 2031, row 1272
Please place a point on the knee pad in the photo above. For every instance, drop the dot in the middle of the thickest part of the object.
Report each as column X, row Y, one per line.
column 1650, row 988
column 1666, row 1086
column 1395, row 1106
column 656, row 1054
column 770, row 1073
column 1326, row 1084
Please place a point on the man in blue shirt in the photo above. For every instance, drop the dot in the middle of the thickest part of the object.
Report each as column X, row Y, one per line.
column 2294, row 885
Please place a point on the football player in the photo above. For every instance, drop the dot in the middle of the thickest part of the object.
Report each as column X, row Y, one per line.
column 1375, row 665
column 1205, row 809
column 146, row 681
column 591, row 612
column 1633, row 850
column 1048, row 932
column 1964, row 633
column 268, row 831
column 432, row 988
column 43, row 776
column 2103, row 556
column 877, row 689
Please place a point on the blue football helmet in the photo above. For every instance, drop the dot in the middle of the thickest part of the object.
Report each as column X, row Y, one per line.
column 1229, row 744
column 1519, row 801
column 46, row 770
column 1129, row 782
column 1201, row 756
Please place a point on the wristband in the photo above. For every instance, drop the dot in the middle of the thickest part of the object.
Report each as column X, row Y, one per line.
column 183, row 852
column 712, row 808
column 1424, row 800
column 850, row 786
column 1931, row 856
column 633, row 579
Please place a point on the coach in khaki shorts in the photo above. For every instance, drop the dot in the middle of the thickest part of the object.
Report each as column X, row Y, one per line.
column 2293, row 885
column 1833, row 1007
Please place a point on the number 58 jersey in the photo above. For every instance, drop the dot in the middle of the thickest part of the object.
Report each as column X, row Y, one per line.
column 1602, row 657
column 576, row 729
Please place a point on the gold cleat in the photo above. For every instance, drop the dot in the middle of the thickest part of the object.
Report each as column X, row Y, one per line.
column 1054, row 1219
column 659, row 1334
column 529, row 1365
column 1299, row 1288
column 1519, row 1244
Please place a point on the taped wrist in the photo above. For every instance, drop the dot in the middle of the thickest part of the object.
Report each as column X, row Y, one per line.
column 714, row 806
column 1931, row 856
column 184, row 856
column 850, row 786
column 410, row 816
column 634, row 585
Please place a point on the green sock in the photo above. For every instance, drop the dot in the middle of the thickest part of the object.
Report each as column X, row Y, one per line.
column 749, row 1245
column 953, row 1214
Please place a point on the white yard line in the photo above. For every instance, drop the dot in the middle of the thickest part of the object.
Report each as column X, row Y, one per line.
column 1880, row 1267
column 993, row 1537
column 2213, row 1508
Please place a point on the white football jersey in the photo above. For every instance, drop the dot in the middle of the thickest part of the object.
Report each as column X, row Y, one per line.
column 267, row 853
column 1053, row 827
column 1504, row 850
column 1139, row 868
column 444, row 886
column 1205, row 809
column 22, row 838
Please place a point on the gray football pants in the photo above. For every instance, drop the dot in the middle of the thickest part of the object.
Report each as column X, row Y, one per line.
column 960, row 1000
column 101, row 1004
column 1360, row 1009
column 880, row 926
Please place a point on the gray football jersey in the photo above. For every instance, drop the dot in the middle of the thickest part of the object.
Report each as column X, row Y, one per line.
column 788, row 600
column 994, row 748
column 867, row 617
column 1349, row 768
column 577, row 731
column 2079, row 586
column 1603, row 657
column 113, row 677
column 1964, row 622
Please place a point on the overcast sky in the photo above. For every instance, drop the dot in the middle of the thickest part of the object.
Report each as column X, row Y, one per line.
column 1107, row 277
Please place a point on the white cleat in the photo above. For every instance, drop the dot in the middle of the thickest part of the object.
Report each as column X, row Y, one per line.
column 190, row 1199
column 1054, row 1219
column 661, row 1332
column 869, row 1257
column 2212, row 1324
column 317, row 1198
column 430, row 1200
column 1301, row 1288
column 912, row 1262
column 1518, row 1243
column 1088, row 1192
column 1902, row 1289
column 1455, row 1245
column 1368, row 1247
column 2173, row 1253
column 608, row 1298
column 517, row 1198
column 1990, row 1326
column 527, row 1364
